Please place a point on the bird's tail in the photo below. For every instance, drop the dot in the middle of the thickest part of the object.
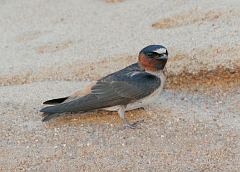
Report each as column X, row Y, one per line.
column 50, row 112
column 56, row 101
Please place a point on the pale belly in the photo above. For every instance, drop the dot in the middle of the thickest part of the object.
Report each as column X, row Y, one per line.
column 145, row 101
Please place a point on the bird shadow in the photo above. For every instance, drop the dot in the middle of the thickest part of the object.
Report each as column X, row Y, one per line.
column 99, row 117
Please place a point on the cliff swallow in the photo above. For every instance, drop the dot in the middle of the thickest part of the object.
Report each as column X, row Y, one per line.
column 133, row 87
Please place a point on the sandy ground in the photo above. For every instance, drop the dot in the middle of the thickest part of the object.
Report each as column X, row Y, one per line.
column 52, row 48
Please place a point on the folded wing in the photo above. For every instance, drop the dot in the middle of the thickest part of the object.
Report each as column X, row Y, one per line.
column 111, row 91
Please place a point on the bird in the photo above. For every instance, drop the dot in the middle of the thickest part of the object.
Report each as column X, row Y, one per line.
column 135, row 86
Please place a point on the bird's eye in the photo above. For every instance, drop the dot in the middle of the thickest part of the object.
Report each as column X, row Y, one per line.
column 150, row 54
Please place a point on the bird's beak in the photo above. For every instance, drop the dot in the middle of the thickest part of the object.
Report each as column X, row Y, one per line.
column 164, row 57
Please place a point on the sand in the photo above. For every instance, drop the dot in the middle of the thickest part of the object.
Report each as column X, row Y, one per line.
column 50, row 49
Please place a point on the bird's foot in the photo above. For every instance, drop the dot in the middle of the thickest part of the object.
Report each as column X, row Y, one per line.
column 133, row 125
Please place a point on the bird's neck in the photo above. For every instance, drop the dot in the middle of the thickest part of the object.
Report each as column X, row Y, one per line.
column 160, row 74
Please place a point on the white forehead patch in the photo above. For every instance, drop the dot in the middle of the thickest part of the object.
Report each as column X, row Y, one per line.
column 161, row 50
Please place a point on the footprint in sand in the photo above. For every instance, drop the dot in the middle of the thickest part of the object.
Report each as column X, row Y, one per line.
column 187, row 18
column 54, row 47
column 113, row 1
column 29, row 36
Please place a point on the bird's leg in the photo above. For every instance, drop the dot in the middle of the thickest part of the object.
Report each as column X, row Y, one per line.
column 121, row 113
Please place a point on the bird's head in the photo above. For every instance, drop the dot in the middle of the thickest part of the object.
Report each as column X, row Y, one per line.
column 153, row 57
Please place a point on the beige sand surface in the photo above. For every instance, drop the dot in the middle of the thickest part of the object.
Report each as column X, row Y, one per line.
column 52, row 48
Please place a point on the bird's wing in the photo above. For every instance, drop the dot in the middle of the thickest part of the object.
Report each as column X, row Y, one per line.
column 111, row 92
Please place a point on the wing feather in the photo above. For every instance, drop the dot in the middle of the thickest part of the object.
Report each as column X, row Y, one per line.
column 111, row 91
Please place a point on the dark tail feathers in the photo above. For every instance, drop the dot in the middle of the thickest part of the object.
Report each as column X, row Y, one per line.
column 55, row 101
